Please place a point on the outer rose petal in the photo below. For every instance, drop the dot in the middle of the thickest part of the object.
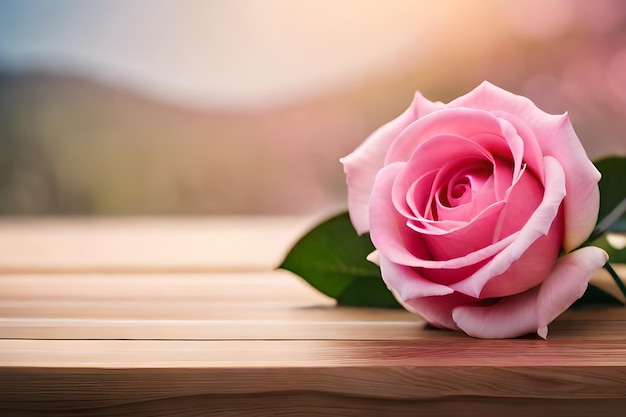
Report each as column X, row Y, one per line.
column 583, row 195
column 362, row 165
column 437, row 310
column 532, row 268
column 463, row 123
column 511, row 317
column 557, row 138
column 407, row 283
column 567, row 283
column 533, row 310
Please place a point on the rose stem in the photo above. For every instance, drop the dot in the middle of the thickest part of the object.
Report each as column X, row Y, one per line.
column 616, row 278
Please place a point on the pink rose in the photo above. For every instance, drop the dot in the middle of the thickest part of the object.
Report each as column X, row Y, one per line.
column 469, row 205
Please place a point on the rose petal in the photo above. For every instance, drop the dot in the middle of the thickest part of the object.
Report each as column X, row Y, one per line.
column 362, row 165
column 511, row 317
column 412, row 202
column 474, row 236
column 447, row 276
column 389, row 232
column 523, row 198
column 533, row 310
column 374, row 257
column 463, row 123
column 557, row 138
column 582, row 201
column 403, row 245
column 437, row 310
column 414, row 186
column 567, row 282
column 538, row 225
column 408, row 283
column 532, row 268
column 489, row 97
column 427, row 159
column 516, row 145
column 462, row 189
column 532, row 154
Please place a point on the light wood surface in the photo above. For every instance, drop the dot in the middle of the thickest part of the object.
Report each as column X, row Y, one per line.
column 199, row 323
column 149, row 245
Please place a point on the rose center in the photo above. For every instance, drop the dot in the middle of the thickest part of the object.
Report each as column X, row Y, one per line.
column 458, row 190
column 463, row 194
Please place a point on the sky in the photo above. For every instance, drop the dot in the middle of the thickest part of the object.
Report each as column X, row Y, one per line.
column 229, row 52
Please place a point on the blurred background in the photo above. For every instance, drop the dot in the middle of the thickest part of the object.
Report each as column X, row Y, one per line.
column 125, row 107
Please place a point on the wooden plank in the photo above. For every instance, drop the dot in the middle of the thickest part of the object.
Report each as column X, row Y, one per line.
column 146, row 245
column 277, row 286
column 89, row 329
column 200, row 310
column 268, row 287
column 432, row 347
column 312, row 403
column 194, row 307
column 274, row 305
column 294, row 310
column 263, row 306
column 331, row 329
column 211, row 378
column 167, row 317
column 213, row 391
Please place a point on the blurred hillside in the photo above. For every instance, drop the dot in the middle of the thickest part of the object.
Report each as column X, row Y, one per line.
column 71, row 146
column 122, row 145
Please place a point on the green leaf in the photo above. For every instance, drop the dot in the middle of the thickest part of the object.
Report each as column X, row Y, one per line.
column 612, row 193
column 594, row 297
column 332, row 258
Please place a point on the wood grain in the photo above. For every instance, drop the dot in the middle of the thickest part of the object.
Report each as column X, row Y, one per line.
column 333, row 405
column 328, row 393
column 428, row 348
column 145, row 245
column 121, row 317
column 266, row 306
column 110, row 387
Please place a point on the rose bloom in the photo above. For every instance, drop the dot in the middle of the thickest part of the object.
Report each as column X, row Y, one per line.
column 476, row 208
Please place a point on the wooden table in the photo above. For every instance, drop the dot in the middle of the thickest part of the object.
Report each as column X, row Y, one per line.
column 187, row 317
